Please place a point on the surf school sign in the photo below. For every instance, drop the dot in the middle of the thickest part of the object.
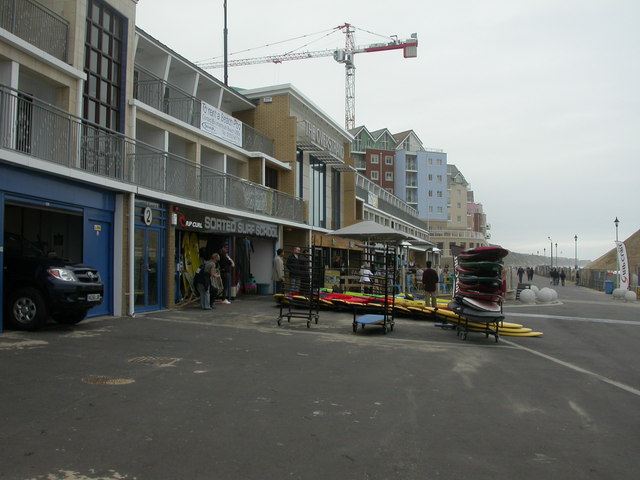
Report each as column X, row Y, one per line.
column 188, row 220
column 218, row 123
column 623, row 265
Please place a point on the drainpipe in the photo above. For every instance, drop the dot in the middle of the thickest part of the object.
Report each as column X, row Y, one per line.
column 131, row 293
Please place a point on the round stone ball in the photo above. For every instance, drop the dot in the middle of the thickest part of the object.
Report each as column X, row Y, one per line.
column 630, row 296
column 545, row 295
column 619, row 293
column 527, row 296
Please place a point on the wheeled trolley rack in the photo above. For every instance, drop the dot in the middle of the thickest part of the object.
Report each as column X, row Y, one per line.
column 305, row 303
column 382, row 285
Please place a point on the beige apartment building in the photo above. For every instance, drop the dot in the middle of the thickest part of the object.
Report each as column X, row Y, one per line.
column 117, row 152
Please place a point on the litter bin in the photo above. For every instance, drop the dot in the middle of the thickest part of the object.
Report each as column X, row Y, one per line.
column 263, row 288
column 608, row 287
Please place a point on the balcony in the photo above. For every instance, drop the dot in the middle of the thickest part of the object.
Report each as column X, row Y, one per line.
column 36, row 24
column 173, row 101
column 44, row 132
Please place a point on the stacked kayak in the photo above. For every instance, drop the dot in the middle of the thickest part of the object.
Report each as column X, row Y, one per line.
column 478, row 293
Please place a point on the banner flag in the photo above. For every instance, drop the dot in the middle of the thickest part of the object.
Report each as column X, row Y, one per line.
column 623, row 265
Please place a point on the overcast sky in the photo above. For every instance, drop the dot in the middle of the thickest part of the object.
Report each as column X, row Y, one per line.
column 537, row 102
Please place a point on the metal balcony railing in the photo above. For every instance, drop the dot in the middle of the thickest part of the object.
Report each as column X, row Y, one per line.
column 382, row 194
column 173, row 101
column 36, row 24
column 45, row 132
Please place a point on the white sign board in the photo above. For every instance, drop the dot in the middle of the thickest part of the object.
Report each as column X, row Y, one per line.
column 218, row 123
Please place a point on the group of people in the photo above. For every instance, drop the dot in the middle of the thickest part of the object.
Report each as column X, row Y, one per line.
column 298, row 265
column 214, row 279
column 557, row 277
column 522, row 271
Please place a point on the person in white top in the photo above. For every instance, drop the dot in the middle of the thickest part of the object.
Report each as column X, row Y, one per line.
column 365, row 278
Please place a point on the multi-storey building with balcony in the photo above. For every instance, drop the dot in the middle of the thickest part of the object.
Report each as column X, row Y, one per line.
column 374, row 156
column 117, row 152
column 465, row 226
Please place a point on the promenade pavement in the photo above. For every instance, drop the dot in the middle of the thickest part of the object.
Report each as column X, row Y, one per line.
column 229, row 394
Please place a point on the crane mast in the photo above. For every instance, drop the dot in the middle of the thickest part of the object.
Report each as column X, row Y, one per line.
column 346, row 56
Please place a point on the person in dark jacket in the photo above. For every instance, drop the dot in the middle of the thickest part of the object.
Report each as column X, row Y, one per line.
column 295, row 270
column 430, row 282
column 226, row 265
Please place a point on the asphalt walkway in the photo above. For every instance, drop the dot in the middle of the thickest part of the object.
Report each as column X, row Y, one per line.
column 229, row 394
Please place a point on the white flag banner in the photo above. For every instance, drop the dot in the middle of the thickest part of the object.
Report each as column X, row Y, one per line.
column 623, row 265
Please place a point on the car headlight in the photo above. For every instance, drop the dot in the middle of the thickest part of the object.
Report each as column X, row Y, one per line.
column 63, row 274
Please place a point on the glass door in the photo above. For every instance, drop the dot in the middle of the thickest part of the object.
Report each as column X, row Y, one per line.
column 148, row 268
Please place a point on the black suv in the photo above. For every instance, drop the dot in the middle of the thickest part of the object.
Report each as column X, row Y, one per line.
column 37, row 286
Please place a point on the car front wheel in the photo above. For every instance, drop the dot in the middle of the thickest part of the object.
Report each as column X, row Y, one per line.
column 27, row 309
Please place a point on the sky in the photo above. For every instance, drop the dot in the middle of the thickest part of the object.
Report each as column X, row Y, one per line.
column 537, row 102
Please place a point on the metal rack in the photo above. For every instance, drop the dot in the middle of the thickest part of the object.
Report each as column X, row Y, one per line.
column 382, row 286
column 304, row 303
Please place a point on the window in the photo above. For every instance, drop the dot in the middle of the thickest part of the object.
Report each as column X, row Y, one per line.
column 459, row 219
column 439, row 194
column 439, row 161
column 430, row 161
column 104, row 45
column 374, row 175
column 335, row 200
column 439, row 178
column 439, row 209
column 388, row 176
column 388, row 160
column 430, row 177
column 430, row 209
column 430, row 193
column 375, row 159
column 318, row 202
column 271, row 178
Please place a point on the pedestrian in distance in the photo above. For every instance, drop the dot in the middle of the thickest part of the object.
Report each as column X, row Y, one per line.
column 520, row 274
column 365, row 278
column 294, row 268
column 563, row 276
column 277, row 274
column 226, row 268
column 430, row 282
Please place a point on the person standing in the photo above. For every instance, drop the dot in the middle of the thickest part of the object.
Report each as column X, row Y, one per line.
column 215, row 281
column 365, row 278
column 294, row 268
column 430, row 281
column 207, row 286
column 520, row 274
column 277, row 274
column 226, row 266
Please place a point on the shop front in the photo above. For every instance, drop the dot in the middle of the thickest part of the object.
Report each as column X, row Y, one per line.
column 200, row 233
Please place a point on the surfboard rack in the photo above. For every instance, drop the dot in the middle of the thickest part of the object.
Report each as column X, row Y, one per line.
column 382, row 283
column 478, row 270
column 305, row 303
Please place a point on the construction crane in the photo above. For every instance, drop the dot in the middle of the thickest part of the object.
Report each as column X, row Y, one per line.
column 341, row 55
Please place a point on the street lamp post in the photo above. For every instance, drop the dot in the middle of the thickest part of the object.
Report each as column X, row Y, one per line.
column 575, row 238
column 556, row 254
column 551, row 252
column 616, row 221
